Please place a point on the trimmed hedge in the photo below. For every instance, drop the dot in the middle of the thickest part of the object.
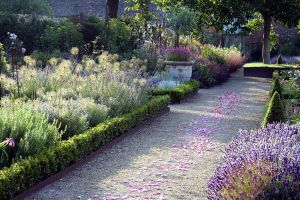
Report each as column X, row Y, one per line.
column 25, row 173
column 276, row 87
column 179, row 93
column 275, row 111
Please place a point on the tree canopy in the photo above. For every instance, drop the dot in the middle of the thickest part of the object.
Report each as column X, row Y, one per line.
column 237, row 12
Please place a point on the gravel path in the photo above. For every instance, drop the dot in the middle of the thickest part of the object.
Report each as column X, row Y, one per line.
column 173, row 156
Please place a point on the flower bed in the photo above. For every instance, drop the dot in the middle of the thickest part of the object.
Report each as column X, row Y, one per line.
column 262, row 164
column 27, row 172
column 180, row 92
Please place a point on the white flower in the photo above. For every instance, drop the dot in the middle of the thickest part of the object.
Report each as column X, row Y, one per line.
column 23, row 50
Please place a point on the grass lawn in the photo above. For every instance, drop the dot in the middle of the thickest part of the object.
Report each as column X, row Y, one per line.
column 262, row 65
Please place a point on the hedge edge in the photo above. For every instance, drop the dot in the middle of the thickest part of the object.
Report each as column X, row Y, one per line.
column 23, row 174
column 179, row 93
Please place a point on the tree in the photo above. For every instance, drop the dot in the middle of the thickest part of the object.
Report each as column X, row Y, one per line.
column 40, row 7
column 112, row 7
column 237, row 12
column 181, row 20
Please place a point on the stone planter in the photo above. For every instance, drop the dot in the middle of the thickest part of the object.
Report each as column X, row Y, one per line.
column 179, row 70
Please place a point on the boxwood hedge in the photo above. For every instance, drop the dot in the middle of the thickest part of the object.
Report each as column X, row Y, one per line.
column 179, row 93
column 27, row 172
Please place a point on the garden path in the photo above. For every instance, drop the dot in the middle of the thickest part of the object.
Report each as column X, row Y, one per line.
column 173, row 156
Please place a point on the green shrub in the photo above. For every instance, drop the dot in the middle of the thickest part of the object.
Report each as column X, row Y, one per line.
column 28, row 29
column 43, row 58
column 204, row 75
column 276, row 88
column 63, row 36
column 150, row 53
column 93, row 26
column 279, row 60
column 179, row 93
column 213, row 54
column 25, row 173
column 289, row 50
column 2, row 57
column 29, row 129
column 275, row 111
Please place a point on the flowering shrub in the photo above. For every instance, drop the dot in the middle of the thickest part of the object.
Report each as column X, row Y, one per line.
column 180, row 53
column 231, row 58
column 261, row 164
column 80, row 95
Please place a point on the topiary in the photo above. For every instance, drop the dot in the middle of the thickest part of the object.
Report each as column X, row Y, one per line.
column 276, row 87
column 276, row 110
column 279, row 60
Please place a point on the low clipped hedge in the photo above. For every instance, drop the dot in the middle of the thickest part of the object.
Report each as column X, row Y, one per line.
column 25, row 173
column 179, row 93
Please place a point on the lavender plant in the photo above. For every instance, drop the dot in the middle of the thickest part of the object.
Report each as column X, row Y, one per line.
column 180, row 53
column 29, row 129
column 261, row 164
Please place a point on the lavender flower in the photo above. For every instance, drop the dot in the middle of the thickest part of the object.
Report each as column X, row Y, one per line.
column 180, row 53
column 256, row 162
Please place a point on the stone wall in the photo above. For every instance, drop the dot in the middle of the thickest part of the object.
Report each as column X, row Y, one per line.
column 66, row 8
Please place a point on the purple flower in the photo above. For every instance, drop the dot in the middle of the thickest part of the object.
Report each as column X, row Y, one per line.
column 256, row 161
column 10, row 142
column 180, row 53
column 23, row 50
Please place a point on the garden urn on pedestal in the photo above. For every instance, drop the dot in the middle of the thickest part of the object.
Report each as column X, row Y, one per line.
column 181, row 70
column 179, row 63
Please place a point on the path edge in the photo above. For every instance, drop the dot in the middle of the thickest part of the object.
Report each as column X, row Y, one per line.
column 61, row 174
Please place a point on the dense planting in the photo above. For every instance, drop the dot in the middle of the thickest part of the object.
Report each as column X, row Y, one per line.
column 261, row 164
column 23, row 174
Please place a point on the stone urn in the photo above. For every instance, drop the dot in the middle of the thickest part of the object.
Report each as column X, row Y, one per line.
column 181, row 70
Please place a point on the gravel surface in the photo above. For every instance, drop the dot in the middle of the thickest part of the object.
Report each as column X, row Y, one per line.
column 173, row 156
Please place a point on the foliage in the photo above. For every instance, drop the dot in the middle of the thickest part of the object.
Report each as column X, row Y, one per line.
column 80, row 95
column 91, row 27
column 180, row 53
column 204, row 74
column 25, row 173
column 179, row 93
column 63, row 36
column 30, row 131
column 257, row 164
column 28, row 29
column 181, row 20
column 276, row 111
column 213, row 54
column 289, row 49
column 167, row 84
column 41, row 7
column 222, row 13
column 229, row 57
column 149, row 53
column 279, row 60
column 276, row 87
column 2, row 57
column 42, row 57
column 118, row 38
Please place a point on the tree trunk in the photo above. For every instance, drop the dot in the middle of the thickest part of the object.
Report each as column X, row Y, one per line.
column 176, row 38
column 266, row 39
column 112, row 7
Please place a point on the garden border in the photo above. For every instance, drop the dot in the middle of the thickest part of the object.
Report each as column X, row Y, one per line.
column 180, row 92
column 29, row 172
